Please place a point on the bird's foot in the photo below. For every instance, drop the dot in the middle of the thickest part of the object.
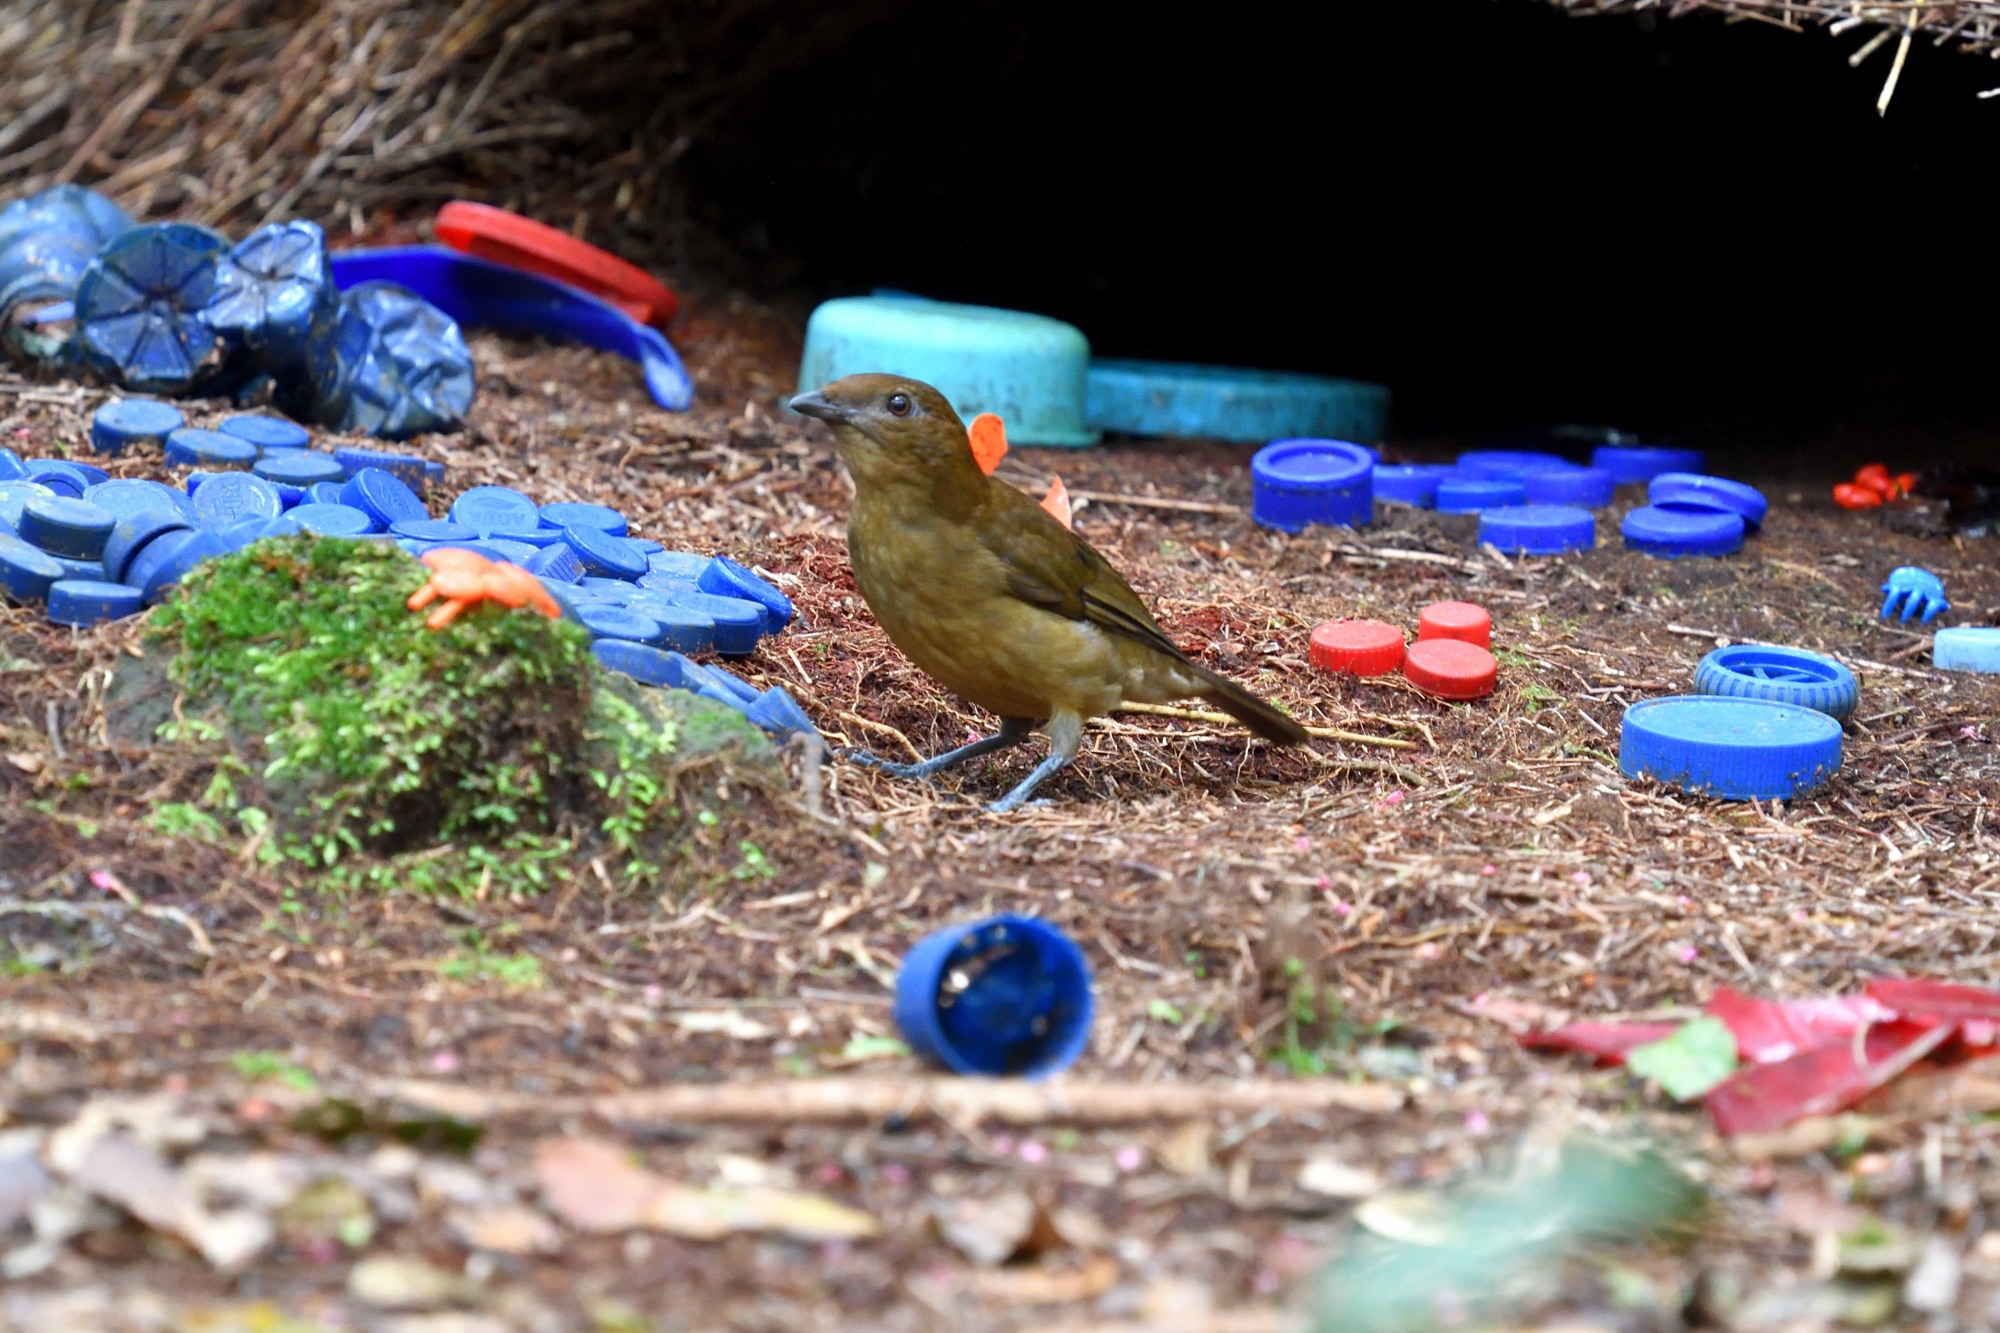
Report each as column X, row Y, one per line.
column 869, row 759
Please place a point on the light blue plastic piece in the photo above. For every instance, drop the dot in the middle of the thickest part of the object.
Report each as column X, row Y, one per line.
column 1030, row 369
column 1967, row 648
column 1227, row 403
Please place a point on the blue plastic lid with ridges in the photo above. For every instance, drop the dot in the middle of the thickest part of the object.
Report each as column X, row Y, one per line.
column 327, row 520
column 63, row 478
column 384, row 497
column 605, row 621
column 1010, row 996
column 127, row 421
column 1643, row 462
column 126, row 496
column 487, row 508
column 1692, row 489
column 1409, row 483
column 1590, row 487
column 1461, row 494
column 777, row 712
column 1670, row 531
column 268, row 432
column 1780, row 675
column 167, row 561
column 602, row 517
column 414, row 471
column 684, row 565
column 1738, row 749
column 132, row 536
column 1295, row 483
column 89, row 602
column 26, row 572
column 605, row 555
column 738, row 624
column 234, row 497
column 1538, row 529
column 725, row 578
column 302, row 469
column 62, row 526
column 642, row 662
column 556, row 562
column 191, row 446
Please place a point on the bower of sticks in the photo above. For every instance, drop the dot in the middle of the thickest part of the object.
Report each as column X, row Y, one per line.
column 603, row 1107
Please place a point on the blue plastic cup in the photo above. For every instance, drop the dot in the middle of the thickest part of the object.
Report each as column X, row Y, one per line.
column 1006, row 996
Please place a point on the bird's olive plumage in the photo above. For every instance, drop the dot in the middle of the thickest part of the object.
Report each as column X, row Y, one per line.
column 986, row 592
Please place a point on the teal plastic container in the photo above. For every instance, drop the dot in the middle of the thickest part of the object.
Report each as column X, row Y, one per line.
column 1029, row 369
column 1227, row 403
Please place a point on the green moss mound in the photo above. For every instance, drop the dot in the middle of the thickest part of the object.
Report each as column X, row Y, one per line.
column 351, row 727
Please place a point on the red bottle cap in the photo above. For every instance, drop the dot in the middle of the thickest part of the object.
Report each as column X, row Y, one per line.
column 1362, row 647
column 518, row 242
column 1456, row 620
column 1451, row 668
column 1853, row 495
column 1871, row 475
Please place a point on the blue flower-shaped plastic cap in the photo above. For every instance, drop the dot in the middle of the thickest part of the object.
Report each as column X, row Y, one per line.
column 1515, row 464
column 272, row 288
column 191, row 446
column 305, row 468
column 602, row 517
column 1008, row 996
column 1779, row 675
column 1590, row 487
column 1643, row 462
column 128, row 421
column 1694, row 490
column 723, row 577
column 62, row 526
column 738, row 624
column 1672, row 531
column 495, row 509
column 390, row 364
column 1916, row 592
column 83, row 602
column 1295, row 483
column 1738, row 749
column 1413, row 484
column 139, row 308
column 233, row 497
column 26, row 572
column 1460, row 494
column 1967, row 648
column 1538, row 529
column 268, row 432
column 333, row 520
column 384, row 497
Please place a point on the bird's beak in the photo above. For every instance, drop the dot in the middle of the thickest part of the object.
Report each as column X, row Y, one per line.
column 815, row 404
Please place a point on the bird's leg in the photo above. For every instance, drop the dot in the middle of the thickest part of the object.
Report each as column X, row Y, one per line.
column 1065, row 738
column 1013, row 730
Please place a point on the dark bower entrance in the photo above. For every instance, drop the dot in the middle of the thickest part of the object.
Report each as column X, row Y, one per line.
column 1691, row 228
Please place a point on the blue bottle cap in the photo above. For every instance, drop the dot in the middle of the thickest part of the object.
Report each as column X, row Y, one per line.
column 1967, row 648
column 1006, row 996
column 78, row 569
column 738, row 624
column 62, row 526
column 1737, row 749
column 1780, row 675
column 1643, row 462
column 167, row 561
column 777, row 712
column 232, row 497
column 89, row 602
column 644, row 663
column 414, row 471
column 239, row 535
column 672, row 585
column 95, row 475
column 1671, row 531
column 382, row 496
column 60, row 477
column 684, row 629
column 684, row 565
column 742, row 692
column 495, row 508
column 1460, row 494
column 139, row 308
column 646, row 545
column 433, row 530
column 127, row 421
column 605, row 621
column 535, row 537
column 605, row 555
column 477, row 548
column 268, row 432
column 126, row 496
column 301, row 469
column 333, row 520
column 725, row 578
column 1509, row 464
column 601, row 517
column 514, row 553
column 1589, row 487
column 319, row 493
column 557, row 563
column 1413, row 484
column 1538, row 529
column 1692, row 490
column 26, row 572
column 191, row 446
column 610, row 590
column 11, row 466
column 14, row 497
column 1294, row 483
column 133, row 535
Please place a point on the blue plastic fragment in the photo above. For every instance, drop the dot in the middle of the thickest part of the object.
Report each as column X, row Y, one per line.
column 272, row 289
column 725, row 578
column 61, row 477
column 1009, row 996
column 1737, row 749
column 1916, row 592
column 738, row 624
column 383, row 496
column 333, row 520
column 139, row 308
column 1671, row 531
column 602, row 517
column 167, row 561
column 1462, row 494
column 192, row 446
column 301, row 469
column 1693, row 490
column 495, row 508
column 390, row 364
column 776, row 711
column 268, row 433
column 134, row 534
column 26, row 572
column 414, row 472
column 1967, row 648
column 1537, row 529
column 63, row 526
column 126, row 496
column 605, row 555
column 232, row 497
column 605, row 621
column 83, row 602
column 1589, row 487
column 557, row 563
column 123, row 422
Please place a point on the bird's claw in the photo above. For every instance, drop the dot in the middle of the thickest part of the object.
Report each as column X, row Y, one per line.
column 869, row 759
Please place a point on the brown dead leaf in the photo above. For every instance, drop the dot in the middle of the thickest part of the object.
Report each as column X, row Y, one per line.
column 125, row 1172
column 594, row 1186
column 1969, row 1089
column 1043, row 1286
column 1186, row 1150
column 989, row 1231
column 511, row 1229
column 1514, row 1015
column 27, row 763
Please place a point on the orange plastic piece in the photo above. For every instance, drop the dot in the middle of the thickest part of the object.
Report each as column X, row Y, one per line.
column 1906, row 483
column 989, row 441
column 466, row 578
column 1873, row 476
column 1851, row 495
column 1057, row 503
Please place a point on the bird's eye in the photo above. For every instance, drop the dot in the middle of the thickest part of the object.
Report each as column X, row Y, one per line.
column 900, row 405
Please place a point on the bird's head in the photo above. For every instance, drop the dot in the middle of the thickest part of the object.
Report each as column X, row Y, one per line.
column 891, row 428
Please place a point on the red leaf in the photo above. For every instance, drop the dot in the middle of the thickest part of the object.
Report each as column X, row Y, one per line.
column 1822, row 1081
column 1607, row 1041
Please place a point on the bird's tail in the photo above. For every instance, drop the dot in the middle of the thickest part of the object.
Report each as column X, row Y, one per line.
column 1261, row 718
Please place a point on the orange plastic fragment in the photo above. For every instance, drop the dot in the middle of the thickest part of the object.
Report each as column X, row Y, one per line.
column 1872, row 475
column 1906, row 483
column 1850, row 495
column 466, row 578
column 989, row 441
column 1057, row 503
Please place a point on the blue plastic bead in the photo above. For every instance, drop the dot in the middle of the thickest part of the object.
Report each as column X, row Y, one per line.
column 1642, row 462
column 133, row 535
column 1537, row 529
column 1461, row 494
column 384, row 497
column 1009, row 996
column 1414, row 484
column 605, row 621
column 601, row 517
column 434, row 530
column 725, row 578
column 389, row 364
column 1693, row 490
column 1737, row 749
column 333, row 520
column 557, row 563
column 1299, row 482
column 268, row 433
column 232, row 497
column 126, row 496
column 1589, row 487
column 1917, row 592
column 26, row 572
column 191, row 446
column 1967, row 648
column 62, row 526
column 738, row 624
column 123, row 422
column 1508, row 464
column 495, row 508
column 272, row 289
column 139, row 308
column 1670, row 531
column 605, row 555
column 301, row 469
column 83, row 602
column 167, row 561
column 61, row 477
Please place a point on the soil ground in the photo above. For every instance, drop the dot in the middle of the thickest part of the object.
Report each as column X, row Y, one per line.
column 1499, row 868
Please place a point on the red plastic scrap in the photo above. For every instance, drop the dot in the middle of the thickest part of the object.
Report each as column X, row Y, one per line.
column 1607, row 1041
column 1767, row 1031
column 1823, row 1080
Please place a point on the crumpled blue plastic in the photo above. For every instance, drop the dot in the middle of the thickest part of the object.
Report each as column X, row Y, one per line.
column 47, row 240
column 389, row 363
column 1918, row 592
column 139, row 309
column 272, row 290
